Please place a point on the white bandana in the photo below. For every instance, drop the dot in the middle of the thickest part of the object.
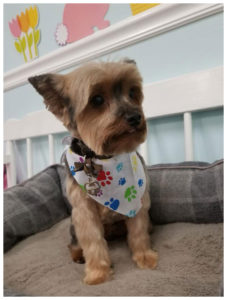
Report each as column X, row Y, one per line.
column 117, row 183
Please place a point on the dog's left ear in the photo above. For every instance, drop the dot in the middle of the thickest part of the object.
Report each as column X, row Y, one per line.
column 52, row 88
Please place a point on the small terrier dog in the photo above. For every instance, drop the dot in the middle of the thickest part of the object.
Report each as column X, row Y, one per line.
column 100, row 104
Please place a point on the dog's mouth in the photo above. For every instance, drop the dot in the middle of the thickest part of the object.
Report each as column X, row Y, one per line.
column 131, row 130
column 125, row 141
column 134, row 130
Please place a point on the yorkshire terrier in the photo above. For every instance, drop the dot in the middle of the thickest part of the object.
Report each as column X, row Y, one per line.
column 100, row 104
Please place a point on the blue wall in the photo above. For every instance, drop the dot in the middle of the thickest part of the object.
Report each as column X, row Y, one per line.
column 166, row 137
column 193, row 47
column 49, row 16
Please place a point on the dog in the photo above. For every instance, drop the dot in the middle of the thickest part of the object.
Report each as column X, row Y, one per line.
column 100, row 103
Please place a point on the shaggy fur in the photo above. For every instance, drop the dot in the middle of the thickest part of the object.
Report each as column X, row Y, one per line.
column 101, row 105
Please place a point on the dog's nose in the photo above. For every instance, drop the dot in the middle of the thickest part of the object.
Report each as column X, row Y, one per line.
column 133, row 119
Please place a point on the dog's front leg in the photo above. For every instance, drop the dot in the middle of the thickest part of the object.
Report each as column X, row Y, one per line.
column 90, row 234
column 139, row 238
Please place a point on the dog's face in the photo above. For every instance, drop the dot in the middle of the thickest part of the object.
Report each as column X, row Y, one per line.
column 99, row 103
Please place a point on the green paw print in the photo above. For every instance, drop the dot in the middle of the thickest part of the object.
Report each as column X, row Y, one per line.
column 130, row 193
column 83, row 187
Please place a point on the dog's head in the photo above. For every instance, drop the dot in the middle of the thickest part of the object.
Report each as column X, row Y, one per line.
column 99, row 103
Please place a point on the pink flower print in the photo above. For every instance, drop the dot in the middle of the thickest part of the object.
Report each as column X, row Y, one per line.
column 14, row 28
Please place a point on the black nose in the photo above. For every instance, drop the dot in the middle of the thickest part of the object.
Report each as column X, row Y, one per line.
column 133, row 119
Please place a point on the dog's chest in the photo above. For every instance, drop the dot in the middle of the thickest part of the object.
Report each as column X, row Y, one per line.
column 108, row 216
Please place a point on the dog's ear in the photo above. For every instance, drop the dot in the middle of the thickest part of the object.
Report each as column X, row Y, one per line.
column 52, row 88
column 129, row 61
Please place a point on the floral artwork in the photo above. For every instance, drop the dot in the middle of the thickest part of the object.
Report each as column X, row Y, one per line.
column 23, row 28
column 79, row 21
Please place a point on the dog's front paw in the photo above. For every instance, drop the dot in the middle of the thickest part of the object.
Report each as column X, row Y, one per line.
column 97, row 275
column 146, row 259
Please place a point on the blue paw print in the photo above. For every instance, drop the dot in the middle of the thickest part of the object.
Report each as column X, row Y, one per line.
column 72, row 170
column 113, row 203
column 119, row 167
column 122, row 181
column 140, row 182
column 132, row 213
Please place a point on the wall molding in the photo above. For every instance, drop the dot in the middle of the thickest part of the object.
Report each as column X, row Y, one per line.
column 190, row 92
column 134, row 29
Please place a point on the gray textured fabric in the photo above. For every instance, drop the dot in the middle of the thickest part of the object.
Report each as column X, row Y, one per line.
column 12, row 293
column 33, row 206
column 186, row 192
column 190, row 264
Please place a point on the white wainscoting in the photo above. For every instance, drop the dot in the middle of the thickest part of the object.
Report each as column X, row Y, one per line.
column 181, row 95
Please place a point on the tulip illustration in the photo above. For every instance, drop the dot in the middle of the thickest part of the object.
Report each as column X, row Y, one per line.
column 16, row 32
column 15, row 28
column 24, row 26
column 32, row 17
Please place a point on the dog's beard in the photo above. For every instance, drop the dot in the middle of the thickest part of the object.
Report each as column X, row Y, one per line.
column 124, row 141
column 114, row 136
column 108, row 135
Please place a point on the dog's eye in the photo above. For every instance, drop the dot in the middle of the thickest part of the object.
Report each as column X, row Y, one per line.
column 97, row 100
column 132, row 93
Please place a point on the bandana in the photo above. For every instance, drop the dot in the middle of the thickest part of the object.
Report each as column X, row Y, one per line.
column 118, row 182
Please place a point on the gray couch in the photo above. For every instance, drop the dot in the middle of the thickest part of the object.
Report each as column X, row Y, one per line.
column 186, row 209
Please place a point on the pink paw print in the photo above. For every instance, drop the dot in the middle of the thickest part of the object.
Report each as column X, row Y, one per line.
column 104, row 177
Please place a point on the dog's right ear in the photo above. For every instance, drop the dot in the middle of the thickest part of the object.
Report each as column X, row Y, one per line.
column 52, row 88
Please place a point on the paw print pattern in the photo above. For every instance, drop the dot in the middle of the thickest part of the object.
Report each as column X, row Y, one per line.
column 104, row 177
column 82, row 187
column 72, row 170
column 140, row 182
column 122, row 181
column 100, row 193
column 132, row 213
column 119, row 167
column 81, row 159
column 130, row 193
column 113, row 203
column 134, row 163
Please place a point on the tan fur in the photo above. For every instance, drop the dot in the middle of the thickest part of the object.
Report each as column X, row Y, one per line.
column 76, row 253
column 105, row 131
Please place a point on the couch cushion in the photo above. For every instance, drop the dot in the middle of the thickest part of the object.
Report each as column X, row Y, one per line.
column 33, row 205
column 190, row 264
column 186, row 192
